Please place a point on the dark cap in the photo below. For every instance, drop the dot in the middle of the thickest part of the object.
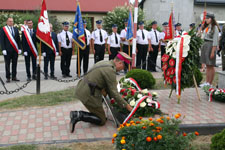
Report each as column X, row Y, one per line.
column 165, row 23
column 154, row 22
column 84, row 22
column 99, row 22
column 210, row 15
column 125, row 21
column 178, row 24
column 65, row 23
column 141, row 23
column 192, row 25
column 114, row 26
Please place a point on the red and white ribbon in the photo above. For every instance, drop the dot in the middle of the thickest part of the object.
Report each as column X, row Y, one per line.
column 157, row 104
column 135, row 108
column 54, row 47
column 134, row 82
column 30, row 41
column 11, row 39
column 179, row 54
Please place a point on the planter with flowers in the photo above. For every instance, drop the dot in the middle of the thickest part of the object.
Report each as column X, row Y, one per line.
column 181, row 62
column 145, row 103
column 214, row 93
column 159, row 134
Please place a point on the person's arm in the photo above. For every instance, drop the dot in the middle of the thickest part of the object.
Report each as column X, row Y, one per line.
column 60, row 44
column 108, row 42
column 23, row 42
column 73, row 48
column 215, row 42
column 2, row 39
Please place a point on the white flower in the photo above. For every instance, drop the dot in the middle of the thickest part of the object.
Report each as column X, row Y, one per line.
column 145, row 91
column 132, row 103
column 154, row 94
column 143, row 104
column 148, row 100
column 139, row 96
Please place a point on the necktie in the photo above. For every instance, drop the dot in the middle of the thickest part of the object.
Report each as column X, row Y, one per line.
column 116, row 38
column 31, row 32
column 101, row 39
column 156, row 38
column 85, row 37
column 143, row 36
column 67, row 39
column 12, row 32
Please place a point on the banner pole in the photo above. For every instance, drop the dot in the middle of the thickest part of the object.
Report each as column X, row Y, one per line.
column 129, row 55
column 78, row 60
column 38, row 82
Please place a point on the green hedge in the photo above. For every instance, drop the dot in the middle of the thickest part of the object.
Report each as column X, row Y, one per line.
column 218, row 141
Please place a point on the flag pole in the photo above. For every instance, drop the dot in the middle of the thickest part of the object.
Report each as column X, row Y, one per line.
column 134, row 33
column 78, row 60
column 129, row 55
column 38, row 83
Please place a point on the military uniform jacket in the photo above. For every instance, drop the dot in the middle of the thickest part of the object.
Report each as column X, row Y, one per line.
column 105, row 78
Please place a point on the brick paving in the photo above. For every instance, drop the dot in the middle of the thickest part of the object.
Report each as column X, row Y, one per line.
column 52, row 123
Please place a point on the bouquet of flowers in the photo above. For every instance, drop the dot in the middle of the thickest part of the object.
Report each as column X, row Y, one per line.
column 145, row 103
column 214, row 93
column 181, row 62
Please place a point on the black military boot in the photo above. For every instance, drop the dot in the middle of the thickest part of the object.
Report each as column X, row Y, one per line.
column 77, row 116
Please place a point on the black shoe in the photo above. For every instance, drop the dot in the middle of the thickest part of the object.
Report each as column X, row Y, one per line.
column 64, row 76
column 15, row 79
column 69, row 75
column 46, row 78
column 74, row 118
column 28, row 79
column 34, row 77
column 8, row 80
column 53, row 77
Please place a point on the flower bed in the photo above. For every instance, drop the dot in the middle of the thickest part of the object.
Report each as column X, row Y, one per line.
column 214, row 93
column 145, row 102
column 159, row 134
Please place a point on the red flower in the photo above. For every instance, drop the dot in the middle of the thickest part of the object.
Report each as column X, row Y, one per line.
column 133, row 91
column 196, row 133
column 112, row 101
column 211, row 89
column 165, row 58
column 184, row 134
column 171, row 70
column 168, row 72
column 172, row 62
column 122, row 90
column 165, row 66
column 125, row 94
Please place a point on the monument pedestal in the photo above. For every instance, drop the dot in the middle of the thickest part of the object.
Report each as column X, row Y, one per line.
column 221, row 82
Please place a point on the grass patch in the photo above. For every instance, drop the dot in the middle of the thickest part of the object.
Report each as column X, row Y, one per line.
column 45, row 99
column 21, row 147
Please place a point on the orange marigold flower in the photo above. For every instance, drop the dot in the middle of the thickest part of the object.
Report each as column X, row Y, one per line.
column 159, row 137
column 144, row 127
column 138, row 122
column 155, row 139
column 140, row 118
column 133, row 124
column 161, row 117
column 132, row 144
column 151, row 124
column 148, row 139
column 123, row 149
column 177, row 116
column 131, row 121
column 184, row 134
column 113, row 141
column 123, row 142
column 124, row 124
column 158, row 131
column 158, row 120
column 150, row 119
column 128, row 124
column 123, row 138
column 168, row 118
column 114, row 135
column 196, row 133
column 161, row 121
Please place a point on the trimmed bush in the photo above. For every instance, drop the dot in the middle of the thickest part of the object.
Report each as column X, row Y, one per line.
column 144, row 78
column 218, row 141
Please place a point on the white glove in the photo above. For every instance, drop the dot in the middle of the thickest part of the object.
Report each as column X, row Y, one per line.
column 25, row 53
column 57, row 53
column 19, row 52
column 4, row 52
column 44, row 54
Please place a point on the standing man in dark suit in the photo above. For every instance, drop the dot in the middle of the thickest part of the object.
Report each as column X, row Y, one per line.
column 10, row 44
column 155, row 47
column 84, row 54
column 30, row 52
column 50, row 54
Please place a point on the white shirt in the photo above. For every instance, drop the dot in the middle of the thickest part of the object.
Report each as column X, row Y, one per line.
column 152, row 36
column 162, row 37
column 88, row 34
column 112, row 40
column 96, row 36
column 123, row 34
column 62, row 39
column 140, row 39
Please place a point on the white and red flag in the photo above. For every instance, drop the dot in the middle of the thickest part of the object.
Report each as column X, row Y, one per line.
column 169, row 33
column 43, row 28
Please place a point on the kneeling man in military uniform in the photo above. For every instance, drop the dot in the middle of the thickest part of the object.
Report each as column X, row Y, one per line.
column 89, row 90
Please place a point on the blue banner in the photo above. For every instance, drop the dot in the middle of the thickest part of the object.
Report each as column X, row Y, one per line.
column 130, row 27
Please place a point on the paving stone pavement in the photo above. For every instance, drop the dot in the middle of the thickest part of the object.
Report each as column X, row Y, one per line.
column 52, row 123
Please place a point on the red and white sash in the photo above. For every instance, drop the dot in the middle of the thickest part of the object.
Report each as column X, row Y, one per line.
column 11, row 39
column 30, row 41
column 54, row 47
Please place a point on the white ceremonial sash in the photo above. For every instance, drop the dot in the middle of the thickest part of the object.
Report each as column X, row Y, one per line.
column 11, row 39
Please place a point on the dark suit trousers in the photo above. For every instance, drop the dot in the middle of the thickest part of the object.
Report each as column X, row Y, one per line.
column 125, row 50
column 114, row 51
column 27, row 63
column 152, row 58
column 163, row 51
column 99, row 52
column 66, row 60
column 49, row 58
column 141, row 56
column 84, row 55
column 11, row 56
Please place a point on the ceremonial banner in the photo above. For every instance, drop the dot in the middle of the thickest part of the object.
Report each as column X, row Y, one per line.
column 129, row 36
column 11, row 39
column 30, row 41
column 43, row 28
column 78, row 29
column 169, row 33
column 204, row 16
